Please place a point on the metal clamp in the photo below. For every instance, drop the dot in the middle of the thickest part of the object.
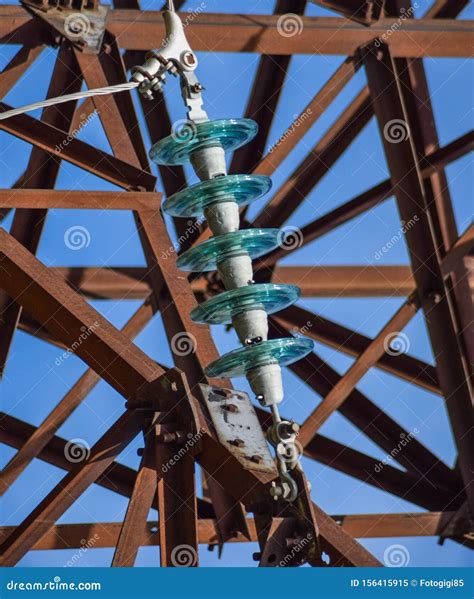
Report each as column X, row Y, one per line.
column 175, row 57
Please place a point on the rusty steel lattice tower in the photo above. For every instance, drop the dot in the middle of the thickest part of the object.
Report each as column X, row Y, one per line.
column 171, row 406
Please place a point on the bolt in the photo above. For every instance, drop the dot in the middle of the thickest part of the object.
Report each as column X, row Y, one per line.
column 253, row 340
column 230, row 408
column 256, row 556
column 276, row 491
column 434, row 297
column 237, row 443
column 169, row 437
column 188, row 59
column 197, row 87
column 257, row 459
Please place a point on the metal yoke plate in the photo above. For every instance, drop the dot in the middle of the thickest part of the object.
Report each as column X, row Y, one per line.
column 238, row 428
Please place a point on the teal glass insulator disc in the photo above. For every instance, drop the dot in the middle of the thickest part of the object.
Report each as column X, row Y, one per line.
column 229, row 134
column 267, row 296
column 205, row 256
column 276, row 351
column 193, row 200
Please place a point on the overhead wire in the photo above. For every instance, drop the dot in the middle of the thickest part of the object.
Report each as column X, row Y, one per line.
column 99, row 91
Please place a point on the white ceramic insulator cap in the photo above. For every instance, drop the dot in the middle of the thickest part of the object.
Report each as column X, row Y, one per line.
column 266, row 381
column 209, row 163
column 251, row 324
column 236, row 271
column 223, row 217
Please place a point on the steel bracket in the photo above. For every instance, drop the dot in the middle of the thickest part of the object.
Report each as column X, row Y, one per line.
column 84, row 28
column 238, row 428
column 171, row 405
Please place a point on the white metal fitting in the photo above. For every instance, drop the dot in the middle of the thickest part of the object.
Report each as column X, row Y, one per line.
column 223, row 217
column 266, row 383
column 236, row 271
column 251, row 325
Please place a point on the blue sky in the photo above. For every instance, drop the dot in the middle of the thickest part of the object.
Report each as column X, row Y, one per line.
column 34, row 384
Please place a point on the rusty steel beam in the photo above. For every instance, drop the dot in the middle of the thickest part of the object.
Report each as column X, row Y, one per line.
column 68, row 317
column 79, row 200
column 71, row 487
column 347, row 281
column 142, row 30
column 98, row 71
column 41, row 172
column 435, row 296
column 408, row 485
column 458, row 251
column 363, row 526
column 362, row 11
column 175, row 300
column 107, row 283
column 306, row 119
column 177, row 506
column 416, row 96
column 346, row 384
column 373, row 197
column 445, row 9
column 84, row 385
column 319, row 35
column 317, row 163
column 314, row 281
column 371, row 420
column 354, row 344
column 51, row 140
column 264, row 96
column 120, row 479
column 17, row 67
column 116, row 478
column 159, row 125
column 135, row 522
